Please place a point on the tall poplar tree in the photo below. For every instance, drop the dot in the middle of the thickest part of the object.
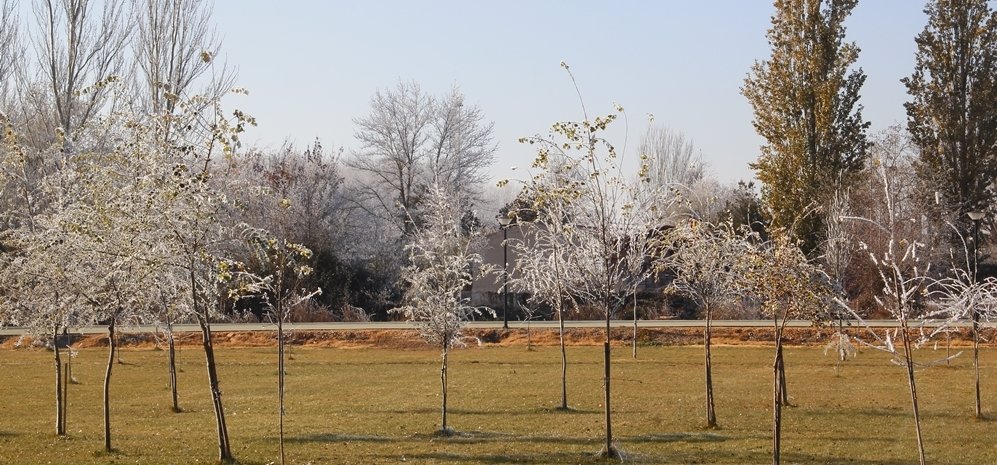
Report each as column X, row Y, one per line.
column 952, row 114
column 805, row 102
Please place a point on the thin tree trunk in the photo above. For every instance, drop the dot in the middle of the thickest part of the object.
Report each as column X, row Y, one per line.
column 60, row 429
column 711, row 416
column 224, row 451
column 913, row 390
column 65, row 396
column 610, row 451
column 635, row 324
column 280, row 383
column 564, row 360
column 171, row 343
column 783, row 387
column 976, row 361
column 445, row 430
column 777, row 399
column 112, row 344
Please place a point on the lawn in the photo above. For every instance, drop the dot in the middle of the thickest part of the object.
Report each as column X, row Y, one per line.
column 367, row 406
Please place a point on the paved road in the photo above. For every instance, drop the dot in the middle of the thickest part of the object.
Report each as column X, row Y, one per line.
column 402, row 325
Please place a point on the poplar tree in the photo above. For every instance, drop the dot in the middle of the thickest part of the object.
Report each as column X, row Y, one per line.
column 952, row 112
column 805, row 101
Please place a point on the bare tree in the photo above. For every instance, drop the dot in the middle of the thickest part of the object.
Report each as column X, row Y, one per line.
column 411, row 140
column 175, row 44
column 900, row 259
column 11, row 52
column 79, row 50
column 673, row 159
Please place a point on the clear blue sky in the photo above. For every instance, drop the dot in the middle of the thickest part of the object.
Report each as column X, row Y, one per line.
column 311, row 66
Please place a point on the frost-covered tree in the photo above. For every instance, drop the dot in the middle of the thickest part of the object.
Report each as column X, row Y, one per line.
column 442, row 260
column 706, row 260
column 412, row 140
column 788, row 287
column 611, row 216
column 280, row 266
column 174, row 46
column 544, row 264
column 906, row 282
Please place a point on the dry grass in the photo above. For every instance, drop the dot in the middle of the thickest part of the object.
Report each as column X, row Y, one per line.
column 367, row 406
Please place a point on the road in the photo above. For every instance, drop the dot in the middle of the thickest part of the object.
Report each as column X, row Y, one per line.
column 403, row 325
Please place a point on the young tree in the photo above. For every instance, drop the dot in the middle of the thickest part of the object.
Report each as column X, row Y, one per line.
column 279, row 266
column 788, row 286
column 707, row 262
column 805, row 102
column 952, row 113
column 441, row 259
column 904, row 274
column 612, row 219
column 544, row 256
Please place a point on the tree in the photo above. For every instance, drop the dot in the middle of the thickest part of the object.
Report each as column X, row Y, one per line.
column 79, row 51
column 175, row 45
column 612, row 219
column 11, row 52
column 906, row 280
column 544, row 256
column 805, row 102
column 788, row 286
column 706, row 261
column 280, row 265
column 952, row 112
column 441, row 260
column 411, row 140
column 673, row 159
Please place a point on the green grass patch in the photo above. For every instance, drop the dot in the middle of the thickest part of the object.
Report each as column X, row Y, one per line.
column 368, row 406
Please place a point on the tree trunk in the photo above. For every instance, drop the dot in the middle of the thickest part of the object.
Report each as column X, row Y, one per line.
column 112, row 344
column 610, row 451
column 564, row 360
column 711, row 415
column 224, row 451
column 173, row 367
column 280, row 383
column 444, row 429
column 913, row 390
column 65, row 396
column 171, row 350
column 635, row 324
column 783, row 387
column 60, row 426
column 777, row 399
column 976, row 361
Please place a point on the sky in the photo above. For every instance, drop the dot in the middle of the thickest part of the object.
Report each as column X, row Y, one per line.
column 311, row 66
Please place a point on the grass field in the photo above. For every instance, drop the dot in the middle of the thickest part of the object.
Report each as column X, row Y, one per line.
column 367, row 406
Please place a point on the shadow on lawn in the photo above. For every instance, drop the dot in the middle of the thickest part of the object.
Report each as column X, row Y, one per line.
column 446, row 457
column 340, row 437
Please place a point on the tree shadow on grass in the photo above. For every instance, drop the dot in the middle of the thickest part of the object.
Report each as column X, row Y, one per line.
column 341, row 437
column 676, row 437
column 448, row 457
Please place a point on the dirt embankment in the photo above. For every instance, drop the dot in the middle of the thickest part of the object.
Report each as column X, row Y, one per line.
column 409, row 339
